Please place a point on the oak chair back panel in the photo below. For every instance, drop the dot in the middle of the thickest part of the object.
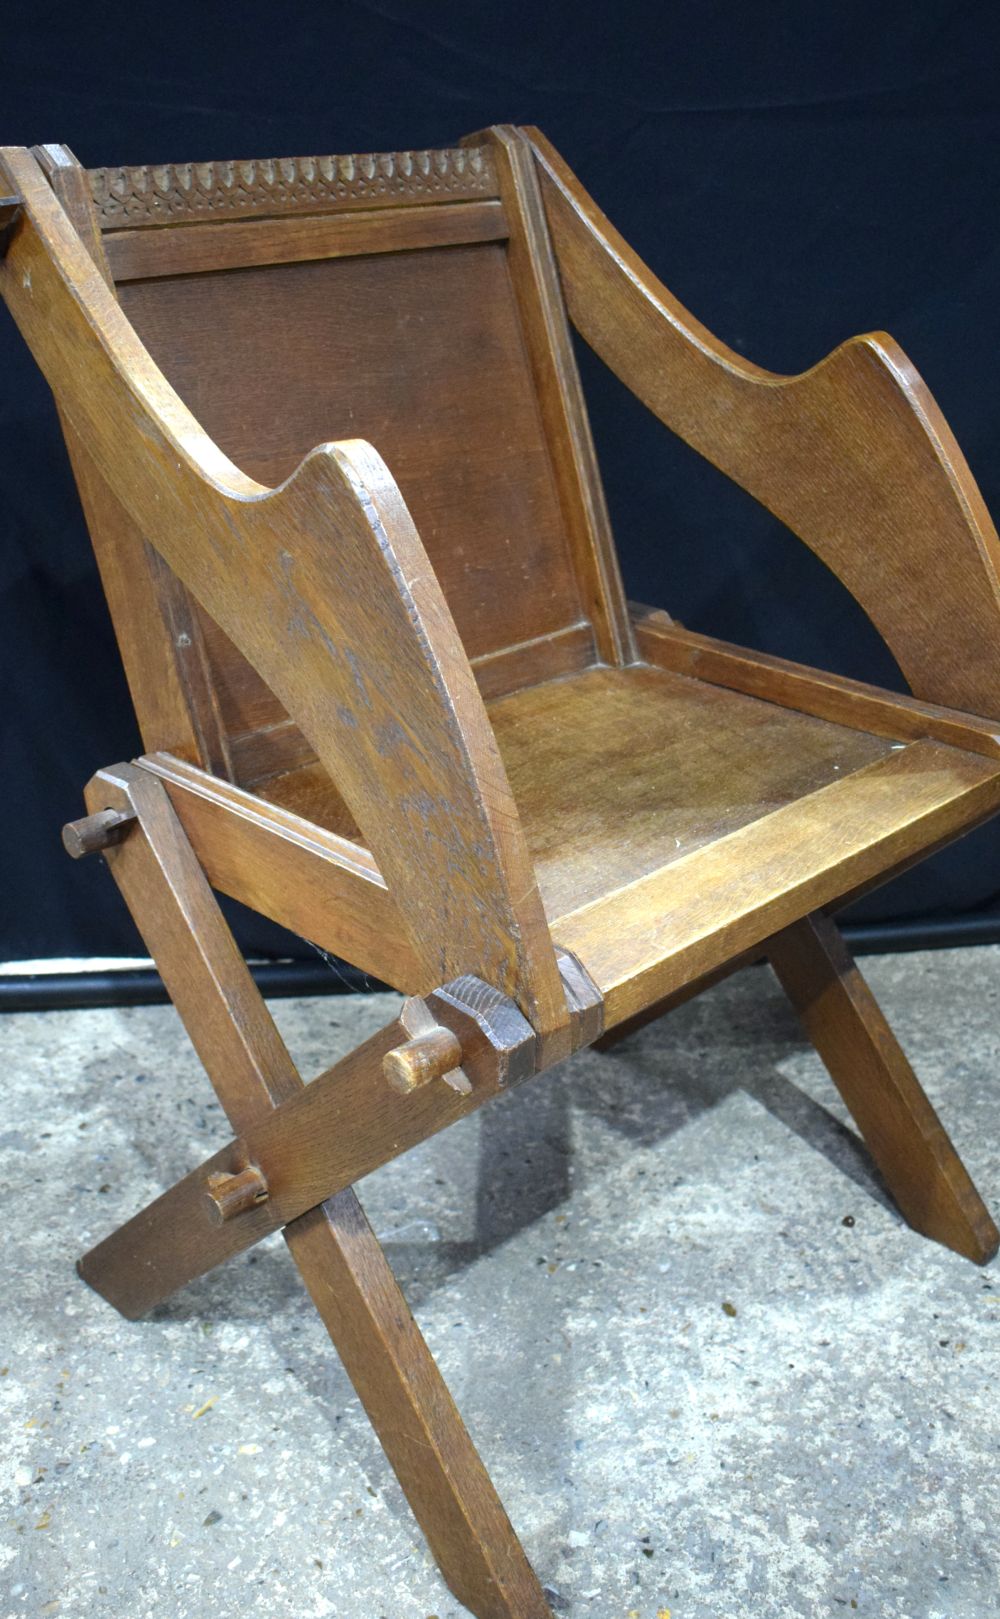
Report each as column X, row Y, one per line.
column 410, row 299
column 344, row 321
column 418, row 352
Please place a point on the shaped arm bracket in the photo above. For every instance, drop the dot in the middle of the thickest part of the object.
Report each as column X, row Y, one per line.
column 325, row 587
column 853, row 455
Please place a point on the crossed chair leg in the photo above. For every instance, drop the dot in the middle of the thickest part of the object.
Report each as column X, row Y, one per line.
column 298, row 1150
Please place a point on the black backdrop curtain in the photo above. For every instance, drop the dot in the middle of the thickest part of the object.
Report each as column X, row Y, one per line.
column 794, row 173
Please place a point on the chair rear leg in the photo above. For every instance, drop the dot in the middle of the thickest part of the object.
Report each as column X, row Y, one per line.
column 338, row 1255
column 904, row 1135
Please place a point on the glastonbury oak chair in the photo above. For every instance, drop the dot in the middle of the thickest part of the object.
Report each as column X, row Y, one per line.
column 392, row 697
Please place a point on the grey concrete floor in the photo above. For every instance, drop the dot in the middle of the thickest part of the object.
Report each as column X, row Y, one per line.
column 712, row 1372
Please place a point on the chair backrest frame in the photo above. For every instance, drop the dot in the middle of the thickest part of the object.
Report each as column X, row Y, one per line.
column 452, row 244
column 324, row 587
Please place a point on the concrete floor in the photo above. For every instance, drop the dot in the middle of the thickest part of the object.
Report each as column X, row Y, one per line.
column 712, row 1372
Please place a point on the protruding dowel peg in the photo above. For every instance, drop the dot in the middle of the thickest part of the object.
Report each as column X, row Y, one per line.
column 230, row 1195
column 96, row 832
column 427, row 1056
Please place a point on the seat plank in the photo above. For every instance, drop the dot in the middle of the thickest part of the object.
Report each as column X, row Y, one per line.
column 654, row 935
column 616, row 773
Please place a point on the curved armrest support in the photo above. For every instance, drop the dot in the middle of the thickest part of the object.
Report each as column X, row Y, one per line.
column 853, row 455
column 324, row 585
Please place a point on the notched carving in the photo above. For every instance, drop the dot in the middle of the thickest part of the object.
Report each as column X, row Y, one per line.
column 159, row 194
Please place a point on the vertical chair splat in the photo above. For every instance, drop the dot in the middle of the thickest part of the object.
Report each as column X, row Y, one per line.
column 337, row 1253
column 535, row 279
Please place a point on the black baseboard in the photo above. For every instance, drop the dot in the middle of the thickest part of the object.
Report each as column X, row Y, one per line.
column 48, row 992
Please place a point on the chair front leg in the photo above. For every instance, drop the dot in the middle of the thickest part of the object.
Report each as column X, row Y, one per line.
column 338, row 1255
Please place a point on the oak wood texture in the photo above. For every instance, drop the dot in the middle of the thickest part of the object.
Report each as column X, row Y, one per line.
column 333, row 1132
column 327, row 427
column 330, row 1134
column 353, row 1288
column 233, row 1194
column 139, row 255
column 178, row 1236
column 656, row 933
column 535, row 280
column 95, row 832
column 853, row 455
column 322, row 621
column 158, row 634
column 430, row 1055
column 418, row 353
column 667, row 765
column 901, row 1129
column 651, row 1014
column 161, row 194
column 809, row 691
column 317, row 882
column 422, row 355
column 337, row 1254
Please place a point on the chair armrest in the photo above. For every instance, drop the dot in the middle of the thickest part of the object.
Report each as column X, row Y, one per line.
column 854, row 455
column 324, row 586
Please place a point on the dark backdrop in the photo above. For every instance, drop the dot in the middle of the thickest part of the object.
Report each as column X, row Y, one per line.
column 795, row 173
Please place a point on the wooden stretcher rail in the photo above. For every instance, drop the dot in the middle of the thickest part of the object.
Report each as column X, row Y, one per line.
column 810, row 691
column 321, row 886
column 332, row 1133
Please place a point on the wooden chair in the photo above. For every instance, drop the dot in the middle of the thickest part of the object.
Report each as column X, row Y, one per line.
column 392, row 696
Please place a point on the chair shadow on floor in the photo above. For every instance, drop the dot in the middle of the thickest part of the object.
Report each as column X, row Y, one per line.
column 733, row 1038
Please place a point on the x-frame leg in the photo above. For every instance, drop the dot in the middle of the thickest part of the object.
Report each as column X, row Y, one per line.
column 338, row 1255
column 909, row 1144
column 340, row 1259
column 911, row 1148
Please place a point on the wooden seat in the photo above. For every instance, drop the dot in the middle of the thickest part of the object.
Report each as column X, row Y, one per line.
column 619, row 775
column 329, row 436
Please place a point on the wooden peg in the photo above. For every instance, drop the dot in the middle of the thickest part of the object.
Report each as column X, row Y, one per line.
column 230, row 1195
column 428, row 1056
column 96, row 832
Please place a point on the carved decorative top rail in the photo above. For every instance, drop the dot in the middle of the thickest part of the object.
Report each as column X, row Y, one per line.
column 175, row 193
